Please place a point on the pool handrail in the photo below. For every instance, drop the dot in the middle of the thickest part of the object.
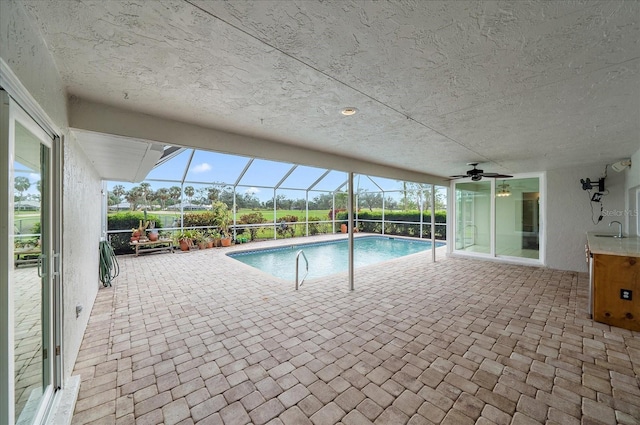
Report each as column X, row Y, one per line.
column 298, row 285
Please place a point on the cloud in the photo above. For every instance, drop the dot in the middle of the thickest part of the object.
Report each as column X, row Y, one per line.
column 34, row 177
column 252, row 190
column 201, row 168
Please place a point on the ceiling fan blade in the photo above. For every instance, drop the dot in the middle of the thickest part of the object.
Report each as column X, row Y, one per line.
column 496, row 175
column 459, row 176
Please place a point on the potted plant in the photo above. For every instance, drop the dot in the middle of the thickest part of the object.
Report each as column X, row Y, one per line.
column 222, row 217
column 153, row 232
column 226, row 240
column 213, row 237
column 141, row 231
column 200, row 239
column 184, row 239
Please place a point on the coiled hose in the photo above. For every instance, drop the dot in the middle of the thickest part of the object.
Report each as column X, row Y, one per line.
column 109, row 268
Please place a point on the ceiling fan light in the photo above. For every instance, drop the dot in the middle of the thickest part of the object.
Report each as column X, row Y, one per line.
column 503, row 190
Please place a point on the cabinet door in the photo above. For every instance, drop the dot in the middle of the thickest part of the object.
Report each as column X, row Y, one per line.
column 615, row 280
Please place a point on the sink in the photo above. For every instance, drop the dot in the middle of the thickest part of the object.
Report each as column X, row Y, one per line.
column 607, row 236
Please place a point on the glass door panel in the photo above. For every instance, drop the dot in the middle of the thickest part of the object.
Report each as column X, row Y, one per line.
column 473, row 217
column 518, row 218
column 30, row 277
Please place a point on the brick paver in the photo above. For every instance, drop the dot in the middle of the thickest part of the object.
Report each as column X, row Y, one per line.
column 199, row 338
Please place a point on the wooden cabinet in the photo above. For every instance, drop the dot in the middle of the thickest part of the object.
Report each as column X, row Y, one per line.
column 616, row 277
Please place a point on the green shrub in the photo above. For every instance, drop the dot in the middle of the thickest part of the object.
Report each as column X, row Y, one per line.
column 200, row 219
column 285, row 227
column 318, row 228
column 127, row 220
column 253, row 218
column 392, row 225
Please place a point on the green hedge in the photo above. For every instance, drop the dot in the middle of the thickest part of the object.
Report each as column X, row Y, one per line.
column 253, row 218
column 200, row 219
column 126, row 220
column 391, row 225
column 318, row 228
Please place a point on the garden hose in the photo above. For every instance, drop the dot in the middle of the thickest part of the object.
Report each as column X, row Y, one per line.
column 109, row 268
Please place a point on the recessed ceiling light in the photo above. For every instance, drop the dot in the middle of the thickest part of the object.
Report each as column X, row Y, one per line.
column 348, row 111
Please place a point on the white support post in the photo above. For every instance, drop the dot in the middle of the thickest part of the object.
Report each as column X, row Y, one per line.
column 275, row 219
column 307, row 213
column 350, row 230
column 433, row 223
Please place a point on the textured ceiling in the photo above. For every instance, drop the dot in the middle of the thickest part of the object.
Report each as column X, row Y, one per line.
column 522, row 86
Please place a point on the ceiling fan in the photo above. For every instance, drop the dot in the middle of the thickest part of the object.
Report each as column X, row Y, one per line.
column 477, row 174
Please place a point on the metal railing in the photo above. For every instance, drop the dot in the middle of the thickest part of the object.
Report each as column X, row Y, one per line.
column 299, row 284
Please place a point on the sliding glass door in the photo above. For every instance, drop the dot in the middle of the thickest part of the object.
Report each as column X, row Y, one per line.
column 473, row 217
column 499, row 218
column 28, row 346
column 518, row 218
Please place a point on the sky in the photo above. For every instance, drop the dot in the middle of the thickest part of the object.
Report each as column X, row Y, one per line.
column 259, row 178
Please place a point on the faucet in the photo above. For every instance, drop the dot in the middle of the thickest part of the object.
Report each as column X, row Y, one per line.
column 619, row 235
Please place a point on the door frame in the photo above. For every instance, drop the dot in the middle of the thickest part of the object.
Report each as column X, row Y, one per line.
column 10, row 111
column 541, row 260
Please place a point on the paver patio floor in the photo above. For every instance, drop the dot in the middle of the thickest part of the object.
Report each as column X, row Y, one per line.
column 200, row 338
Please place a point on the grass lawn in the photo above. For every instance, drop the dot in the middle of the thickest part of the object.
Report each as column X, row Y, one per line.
column 267, row 214
column 25, row 220
column 300, row 229
column 301, row 214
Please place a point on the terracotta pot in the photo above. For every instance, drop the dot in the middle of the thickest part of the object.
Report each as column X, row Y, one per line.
column 153, row 236
column 184, row 245
column 210, row 244
column 343, row 228
column 225, row 241
column 202, row 245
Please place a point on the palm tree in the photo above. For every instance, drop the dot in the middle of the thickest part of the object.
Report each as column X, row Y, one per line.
column 133, row 197
column 145, row 193
column 174, row 193
column 213, row 193
column 118, row 191
column 162, row 195
column 189, row 191
column 22, row 184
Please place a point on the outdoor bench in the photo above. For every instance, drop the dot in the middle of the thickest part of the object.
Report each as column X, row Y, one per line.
column 27, row 256
column 159, row 245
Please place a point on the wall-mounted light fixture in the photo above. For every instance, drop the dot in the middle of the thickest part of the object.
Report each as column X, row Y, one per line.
column 621, row 165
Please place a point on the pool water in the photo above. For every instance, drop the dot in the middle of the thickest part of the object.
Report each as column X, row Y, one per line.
column 326, row 258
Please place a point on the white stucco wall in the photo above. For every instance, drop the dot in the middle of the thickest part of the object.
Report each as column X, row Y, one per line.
column 23, row 50
column 632, row 213
column 81, row 227
column 633, row 173
column 569, row 213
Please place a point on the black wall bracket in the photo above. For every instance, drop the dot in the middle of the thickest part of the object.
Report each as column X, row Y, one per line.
column 587, row 184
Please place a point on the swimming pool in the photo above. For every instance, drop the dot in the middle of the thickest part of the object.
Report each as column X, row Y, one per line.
column 326, row 258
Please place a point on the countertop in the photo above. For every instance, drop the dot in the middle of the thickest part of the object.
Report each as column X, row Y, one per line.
column 627, row 246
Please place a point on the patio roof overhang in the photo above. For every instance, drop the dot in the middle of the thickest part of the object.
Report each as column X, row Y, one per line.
column 89, row 118
column 117, row 157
